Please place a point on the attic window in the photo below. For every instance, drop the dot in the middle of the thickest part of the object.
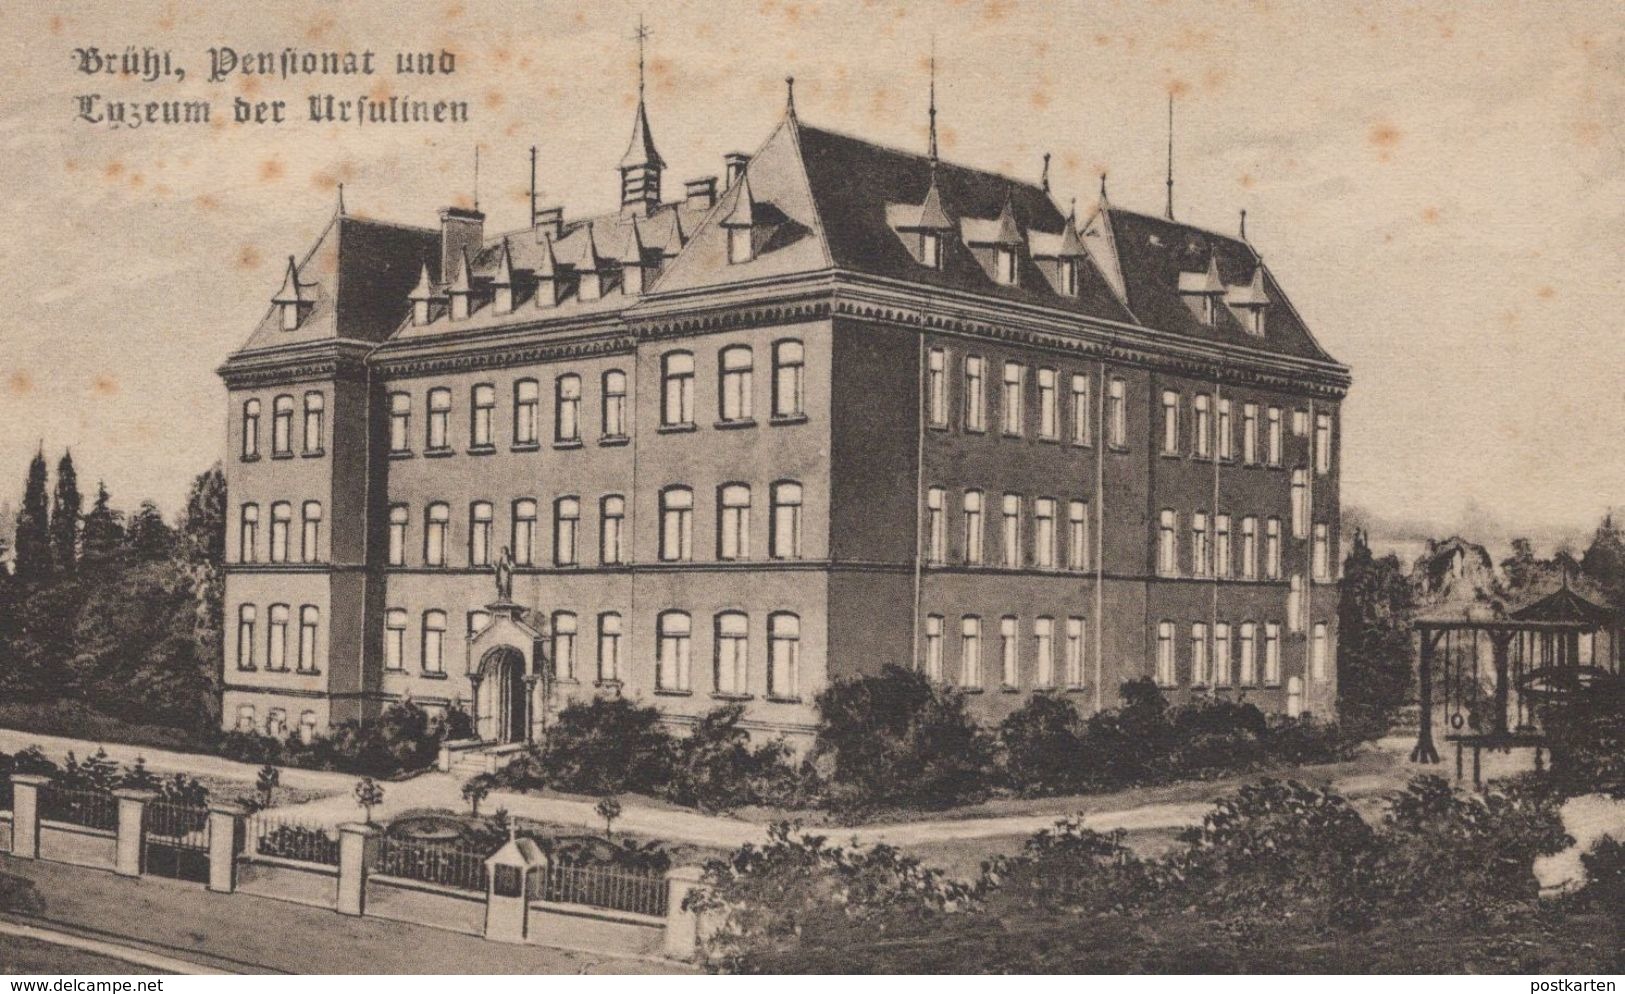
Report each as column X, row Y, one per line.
column 1004, row 265
column 740, row 248
column 1069, row 277
column 592, row 286
column 290, row 316
column 931, row 249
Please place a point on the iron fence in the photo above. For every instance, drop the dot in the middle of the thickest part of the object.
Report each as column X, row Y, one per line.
column 638, row 891
column 176, row 840
column 286, row 838
column 448, row 865
column 86, row 808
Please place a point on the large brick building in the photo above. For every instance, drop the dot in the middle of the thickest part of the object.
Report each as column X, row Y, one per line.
column 854, row 406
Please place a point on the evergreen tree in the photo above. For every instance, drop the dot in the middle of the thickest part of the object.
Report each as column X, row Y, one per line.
column 1374, row 676
column 205, row 523
column 103, row 536
column 1604, row 560
column 1521, row 568
column 65, row 512
column 150, row 538
column 33, row 551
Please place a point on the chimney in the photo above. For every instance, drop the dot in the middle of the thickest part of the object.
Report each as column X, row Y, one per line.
column 549, row 224
column 461, row 230
column 702, row 192
column 734, row 163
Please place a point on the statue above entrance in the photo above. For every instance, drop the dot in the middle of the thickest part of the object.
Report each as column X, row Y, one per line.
column 503, row 568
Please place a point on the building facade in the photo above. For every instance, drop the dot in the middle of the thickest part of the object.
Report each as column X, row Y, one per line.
column 848, row 407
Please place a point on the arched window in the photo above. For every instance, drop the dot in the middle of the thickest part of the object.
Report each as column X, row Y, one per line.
column 611, row 523
column 975, row 393
column 1075, row 632
column 251, row 428
column 400, row 517
column 609, row 647
column 439, row 428
column 1199, row 547
column 315, row 406
column 786, row 515
column 614, row 404
column 436, row 519
column 1044, row 533
column 1167, row 675
column 245, row 717
column 1009, row 653
column 400, row 422
column 481, row 416
column 1199, row 674
column 434, row 641
column 564, row 646
column 310, row 618
column 395, row 639
column 276, row 641
column 1202, row 444
column 1247, row 654
column 970, row 651
column 1049, row 417
column 1077, row 535
column 1117, row 413
column 566, row 530
column 677, row 389
column 789, row 379
column 733, row 521
column 281, row 522
column 479, row 533
column 311, row 532
column 784, row 655
column 732, row 663
column 936, row 529
column 248, row 534
column 526, row 403
column 282, row 426
column 1167, row 543
column 567, row 409
column 1221, row 654
column 1010, row 530
column 1272, row 654
column 1014, row 416
column 1170, row 423
column 1294, row 603
column 676, row 524
column 524, row 531
column 1044, row 650
column 933, row 647
column 974, row 527
column 247, row 616
column 734, row 399
column 672, row 664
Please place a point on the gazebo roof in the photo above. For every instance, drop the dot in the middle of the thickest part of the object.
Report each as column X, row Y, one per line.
column 1566, row 607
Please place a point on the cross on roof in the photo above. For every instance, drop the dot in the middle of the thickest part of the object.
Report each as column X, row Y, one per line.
column 640, row 36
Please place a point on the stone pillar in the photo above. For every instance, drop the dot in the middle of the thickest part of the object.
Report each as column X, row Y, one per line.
column 357, row 845
column 225, row 825
column 682, row 926
column 25, row 789
column 507, row 914
column 132, row 830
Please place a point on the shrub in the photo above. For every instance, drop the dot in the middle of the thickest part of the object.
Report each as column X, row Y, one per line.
column 1042, row 746
column 894, row 738
column 1605, row 877
column 608, row 745
column 715, row 768
column 1586, row 732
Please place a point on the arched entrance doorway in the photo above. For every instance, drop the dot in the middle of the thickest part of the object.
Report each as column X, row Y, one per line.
column 504, row 705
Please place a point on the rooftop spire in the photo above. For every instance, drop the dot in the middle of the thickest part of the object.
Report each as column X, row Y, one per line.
column 1170, row 209
column 476, row 175
column 642, row 34
column 933, row 104
column 790, row 96
column 341, row 200
column 641, row 165
column 1045, row 178
column 1244, row 224
column 1103, row 186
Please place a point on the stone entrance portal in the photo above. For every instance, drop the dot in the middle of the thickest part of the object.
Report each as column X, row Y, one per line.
column 504, row 661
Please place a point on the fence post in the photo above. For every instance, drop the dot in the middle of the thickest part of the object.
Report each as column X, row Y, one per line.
column 357, row 845
column 225, row 824
column 682, row 926
column 132, row 829
column 25, row 789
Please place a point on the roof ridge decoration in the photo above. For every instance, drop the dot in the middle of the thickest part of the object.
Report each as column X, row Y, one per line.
column 502, row 282
column 292, row 289
column 461, row 290
column 743, row 214
column 422, row 297
column 1009, row 233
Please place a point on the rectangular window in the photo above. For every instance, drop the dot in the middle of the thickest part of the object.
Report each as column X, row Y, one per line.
column 309, row 619
column 276, row 645
column 1272, row 549
column 734, row 397
column 1221, row 545
column 395, row 639
column 1004, row 265
column 933, row 648
column 246, row 615
column 1272, row 445
column 1249, row 548
column 400, row 422
column 1294, row 603
column 975, row 395
column 609, row 647
column 1221, row 655
column 564, row 646
column 1076, row 631
column 1168, row 544
column 566, row 530
column 1199, row 548
column 1049, row 417
column 434, row 641
column 936, row 528
column 1117, row 414
column 1323, row 444
column 1044, row 651
column 973, row 527
column 785, row 511
column 1300, row 504
column 1247, row 655
column 1322, row 553
column 434, row 534
column 614, row 413
column 479, row 534
column 1044, row 533
column 677, row 390
column 677, row 524
column 1009, row 654
column 1199, row 674
column 567, row 409
column 1014, row 406
column 1166, row 674
column 970, row 652
column 611, row 522
column 732, row 662
column 936, row 386
column 439, row 429
column 1249, row 434
column 733, row 522
column 1300, row 423
column 1319, row 652
column 1226, row 432
column 1202, row 444
column 1077, row 535
column 1170, row 423
column 1081, row 415
column 783, row 657
column 1010, row 531
column 524, row 532
column 1272, row 654
column 675, row 653
column 526, row 403
column 481, row 416
column 315, row 404
column 789, row 379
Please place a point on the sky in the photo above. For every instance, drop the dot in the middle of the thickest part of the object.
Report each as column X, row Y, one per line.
column 1439, row 187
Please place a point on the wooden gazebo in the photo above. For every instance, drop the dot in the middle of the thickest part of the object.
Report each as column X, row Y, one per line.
column 1552, row 648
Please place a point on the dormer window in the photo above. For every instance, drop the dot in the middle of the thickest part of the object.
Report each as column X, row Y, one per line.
column 1069, row 277
column 1004, row 265
column 590, row 269
column 592, row 285
column 1202, row 292
column 1250, row 302
column 291, row 301
column 421, row 297
column 739, row 245
column 931, row 249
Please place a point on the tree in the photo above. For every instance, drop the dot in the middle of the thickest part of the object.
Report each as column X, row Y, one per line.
column 150, row 538
column 102, row 539
column 65, row 513
column 1374, row 675
column 266, row 783
column 204, row 526
column 477, row 789
column 1604, row 560
column 33, row 552
column 369, row 795
column 609, row 809
column 1521, row 568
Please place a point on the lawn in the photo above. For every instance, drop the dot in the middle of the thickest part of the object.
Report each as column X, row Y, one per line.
column 19, row 955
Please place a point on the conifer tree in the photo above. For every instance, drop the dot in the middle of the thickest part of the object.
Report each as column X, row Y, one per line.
column 103, row 535
column 33, row 556
column 65, row 512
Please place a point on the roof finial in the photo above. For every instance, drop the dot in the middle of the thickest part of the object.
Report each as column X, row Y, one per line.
column 1045, row 178
column 341, row 200
column 1170, row 210
column 533, row 186
column 641, row 35
column 790, row 96
column 933, row 104
column 1103, row 186
column 1244, row 224
column 476, row 175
